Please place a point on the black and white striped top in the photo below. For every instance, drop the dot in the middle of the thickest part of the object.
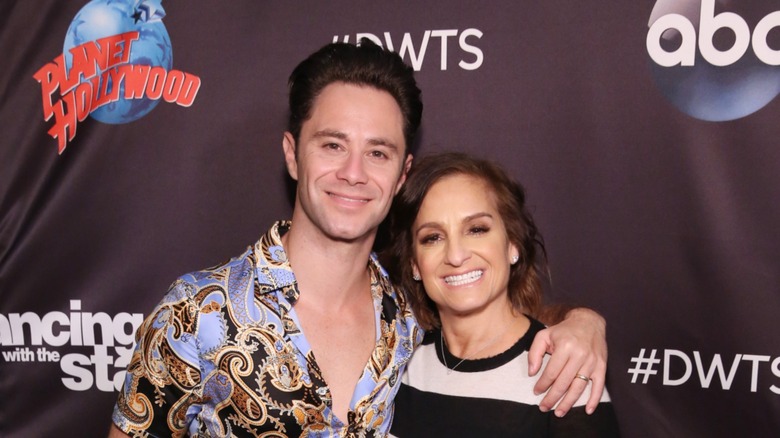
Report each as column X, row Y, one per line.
column 491, row 397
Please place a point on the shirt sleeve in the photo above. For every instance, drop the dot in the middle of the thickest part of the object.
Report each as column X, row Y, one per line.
column 163, row 385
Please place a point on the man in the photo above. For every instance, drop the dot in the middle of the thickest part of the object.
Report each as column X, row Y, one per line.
column 247, row 347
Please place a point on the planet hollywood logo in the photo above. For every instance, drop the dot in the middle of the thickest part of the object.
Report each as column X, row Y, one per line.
column 716, row 60
column 115, row 67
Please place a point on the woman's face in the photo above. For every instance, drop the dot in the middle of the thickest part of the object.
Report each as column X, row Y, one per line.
column 462, row 252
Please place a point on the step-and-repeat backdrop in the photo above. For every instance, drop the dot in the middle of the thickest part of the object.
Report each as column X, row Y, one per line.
column 646, row 134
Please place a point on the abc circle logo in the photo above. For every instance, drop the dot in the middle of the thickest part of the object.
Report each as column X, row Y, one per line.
column 709, row 63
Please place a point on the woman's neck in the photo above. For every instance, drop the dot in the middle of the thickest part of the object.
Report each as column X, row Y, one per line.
column 483, row 335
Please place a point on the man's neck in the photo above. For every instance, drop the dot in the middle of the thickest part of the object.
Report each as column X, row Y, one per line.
column 327, row 270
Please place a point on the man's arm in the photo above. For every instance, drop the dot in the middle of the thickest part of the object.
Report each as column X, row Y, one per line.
column 578, row 346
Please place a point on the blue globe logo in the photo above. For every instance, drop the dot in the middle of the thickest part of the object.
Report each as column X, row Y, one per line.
column 104, row 18
column 713, row 59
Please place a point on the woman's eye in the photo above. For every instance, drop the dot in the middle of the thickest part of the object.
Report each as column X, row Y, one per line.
column 479, row 229
column 429, row 239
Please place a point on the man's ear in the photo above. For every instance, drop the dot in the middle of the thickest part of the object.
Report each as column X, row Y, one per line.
column 404, row 172
column 288, row 145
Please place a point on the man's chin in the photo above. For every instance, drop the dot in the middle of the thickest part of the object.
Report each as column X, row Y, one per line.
column 351, row 235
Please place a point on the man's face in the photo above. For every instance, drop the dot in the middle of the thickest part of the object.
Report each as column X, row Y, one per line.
column 349, row 162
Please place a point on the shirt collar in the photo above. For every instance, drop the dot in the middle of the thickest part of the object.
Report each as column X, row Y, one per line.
column 274, row 272
column 272, row 269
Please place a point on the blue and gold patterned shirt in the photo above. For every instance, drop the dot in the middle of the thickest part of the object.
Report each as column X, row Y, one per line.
column 223, row 355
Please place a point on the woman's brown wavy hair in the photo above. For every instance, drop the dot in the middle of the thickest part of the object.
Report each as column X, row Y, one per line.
column 525, row 288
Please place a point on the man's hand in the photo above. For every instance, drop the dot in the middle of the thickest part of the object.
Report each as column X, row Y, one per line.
column 578, row 346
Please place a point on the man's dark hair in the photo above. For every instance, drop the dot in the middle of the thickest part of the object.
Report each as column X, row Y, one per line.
column 363, row 64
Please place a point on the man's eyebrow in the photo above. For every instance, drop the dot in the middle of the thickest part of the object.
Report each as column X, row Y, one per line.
column 379, row 141
column 374, row 141
column 331, row 133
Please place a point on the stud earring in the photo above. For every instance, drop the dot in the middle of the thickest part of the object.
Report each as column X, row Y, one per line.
column 514, row 259
column 416, row 277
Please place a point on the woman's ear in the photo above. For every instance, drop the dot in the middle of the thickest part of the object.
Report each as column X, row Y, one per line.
column 415, row 273
column 514, row 254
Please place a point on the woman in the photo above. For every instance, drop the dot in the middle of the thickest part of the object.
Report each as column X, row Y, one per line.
column 467, row 251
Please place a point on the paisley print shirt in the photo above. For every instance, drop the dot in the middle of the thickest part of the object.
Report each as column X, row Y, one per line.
column 223, row 355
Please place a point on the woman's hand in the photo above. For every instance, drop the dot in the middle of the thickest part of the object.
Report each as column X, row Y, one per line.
column 578, row 347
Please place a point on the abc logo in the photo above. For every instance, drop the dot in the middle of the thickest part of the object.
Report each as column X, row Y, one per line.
column 708, row 63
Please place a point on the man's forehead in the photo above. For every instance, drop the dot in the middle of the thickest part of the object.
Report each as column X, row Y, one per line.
column 338, row 89
column 341, row 109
